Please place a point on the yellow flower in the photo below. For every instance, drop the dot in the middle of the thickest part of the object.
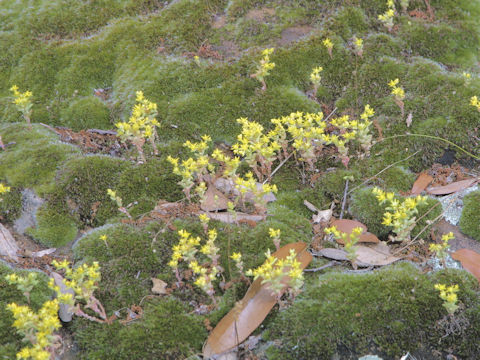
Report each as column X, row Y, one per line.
column 236, row 256
column 328, row 43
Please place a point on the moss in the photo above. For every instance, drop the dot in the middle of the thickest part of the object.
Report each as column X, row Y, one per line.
column 348, row 22
column 11, row 205
column 293, row 200
column 86, row 113
column 33, row 160
column 54, row 228
column 332, row 183
column 364, row 207
column 84, row 182
column 470, row 219
column 10, row 341
column 384, row 312
column 167, row 330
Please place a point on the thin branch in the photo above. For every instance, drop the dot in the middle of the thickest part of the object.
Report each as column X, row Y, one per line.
column 344, row 199
column 383, row 170
column 330, row 264
column 278, row 167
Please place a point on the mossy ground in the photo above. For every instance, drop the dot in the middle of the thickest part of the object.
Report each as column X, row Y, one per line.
column 382, row 313
column 62, row 50
column 470, row 219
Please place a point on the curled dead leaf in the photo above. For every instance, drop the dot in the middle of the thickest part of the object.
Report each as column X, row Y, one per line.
column 421, row 183
column 470, row 261
column 159, row 287
column 249, row 312
column 451, row 188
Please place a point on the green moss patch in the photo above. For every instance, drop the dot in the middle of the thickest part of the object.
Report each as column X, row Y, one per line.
column 470, row 219
column 383, row 312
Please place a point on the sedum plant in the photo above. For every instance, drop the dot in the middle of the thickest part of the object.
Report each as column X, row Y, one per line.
column 449, row 296
column 400, row 214
column 24, row 284
column 274, row 270
column 23, row 103
column 329, row 45
column 440, row 250
column 387, row 18
column 140, row 126
column 37, row 329
column 264, row 67
column 315, row 78
column 398, row 93
column 475, row 102
column 358, row 46
column 350, row 240
column 4, row 189
column 83, row 280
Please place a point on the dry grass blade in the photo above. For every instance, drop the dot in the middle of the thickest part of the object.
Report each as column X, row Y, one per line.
column 250, row 312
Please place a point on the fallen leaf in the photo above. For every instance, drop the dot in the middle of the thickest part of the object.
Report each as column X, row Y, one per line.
column 409, row 119
column 230, row 219
column 421, row 183
column 323, row 216
column 451, row 188
column 43, row 252
column 310, row 206
column 470, row 261
column 375, row 254
column 249, row 312
column 339, row 255
column 347, row 226
column 159, row 286
column 214, row 200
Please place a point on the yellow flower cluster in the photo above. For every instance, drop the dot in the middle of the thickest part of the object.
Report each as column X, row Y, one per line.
column 350, row 240
column 307, row 131
column 113, row 196
column 237, row 258
column 4, row 189
column 83, row 280
column 141, row 125
column 315, row 77
column 387, row 17
column 37, row 328
column 329, row 45
column 475, row 102
column 193, row 168
column 274, row 270
column 24, row 284
column 441, row 249
column 358, row 46
column 265, row 65
column 449, row 296
column 397, row 91
column 400, row 214
column 230, row 164
column 275, row 236
column 249, row 184
column 185, row 249
column 257, row 148
column 23, row 102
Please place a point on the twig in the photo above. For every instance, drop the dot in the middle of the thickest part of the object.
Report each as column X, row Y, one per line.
column 330, row 264
column 330, row 115
column 344, row 199
column 381, row 171
column 278, row 167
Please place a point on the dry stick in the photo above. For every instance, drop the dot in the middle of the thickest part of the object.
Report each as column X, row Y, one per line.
column 385, row 169
column 344, row 199
column 330, row 264
column 289, row 156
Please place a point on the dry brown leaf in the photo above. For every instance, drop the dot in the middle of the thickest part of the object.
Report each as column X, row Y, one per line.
column 470, row 261
column 323, row 216
column 375, row 254
column 249, row 312
column 409, row 119
column 421, row 183
column 159, row 287
column 239, row 217
column 347, row 226
column 214, row 200
column 43, row 252
column 451, row 188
